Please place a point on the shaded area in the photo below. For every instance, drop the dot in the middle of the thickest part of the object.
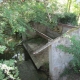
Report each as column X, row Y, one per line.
column 34, row 44
column 27, row 71
column 71, row 76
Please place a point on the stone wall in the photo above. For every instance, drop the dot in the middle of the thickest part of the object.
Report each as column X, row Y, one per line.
column 65, row 27
column 51, row 32
column 38, row 27
column 58, row 60
column 58, row 31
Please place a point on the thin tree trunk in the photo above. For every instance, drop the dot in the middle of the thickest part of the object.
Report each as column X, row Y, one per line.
column 69, row 5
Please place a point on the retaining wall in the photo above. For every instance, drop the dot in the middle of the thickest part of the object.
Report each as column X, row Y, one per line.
column 51, row 32
column 58, row 60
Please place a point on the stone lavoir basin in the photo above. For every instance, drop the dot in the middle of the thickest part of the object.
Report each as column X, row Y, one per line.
column 47, row 51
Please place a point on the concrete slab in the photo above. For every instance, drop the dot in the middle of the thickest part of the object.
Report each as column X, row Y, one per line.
column 38, row 59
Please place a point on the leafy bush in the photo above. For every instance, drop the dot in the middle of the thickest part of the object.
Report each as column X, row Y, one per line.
column 45, row 15
column 2, row 48
column 68, row 18
column 14, row 18
column 9, row 25
column 8, row 71
column 74, row 49
column 40, row 13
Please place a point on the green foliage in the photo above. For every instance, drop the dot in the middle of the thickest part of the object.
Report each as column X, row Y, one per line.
column 74, row 49
column 75, row 7
column 40, row 13
column 16, row 15
column 44, row 14
column 14, row 18
column 2, row 48
column 8, row 71
column 68, row 18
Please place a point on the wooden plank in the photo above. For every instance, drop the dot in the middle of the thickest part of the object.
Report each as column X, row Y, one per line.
column 44, row 47
column 42, row 35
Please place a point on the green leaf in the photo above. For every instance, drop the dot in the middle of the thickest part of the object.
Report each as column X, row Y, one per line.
column 2, row 48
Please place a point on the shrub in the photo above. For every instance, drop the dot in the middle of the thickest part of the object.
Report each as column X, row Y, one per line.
column 68, row 18
column 8, row 71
